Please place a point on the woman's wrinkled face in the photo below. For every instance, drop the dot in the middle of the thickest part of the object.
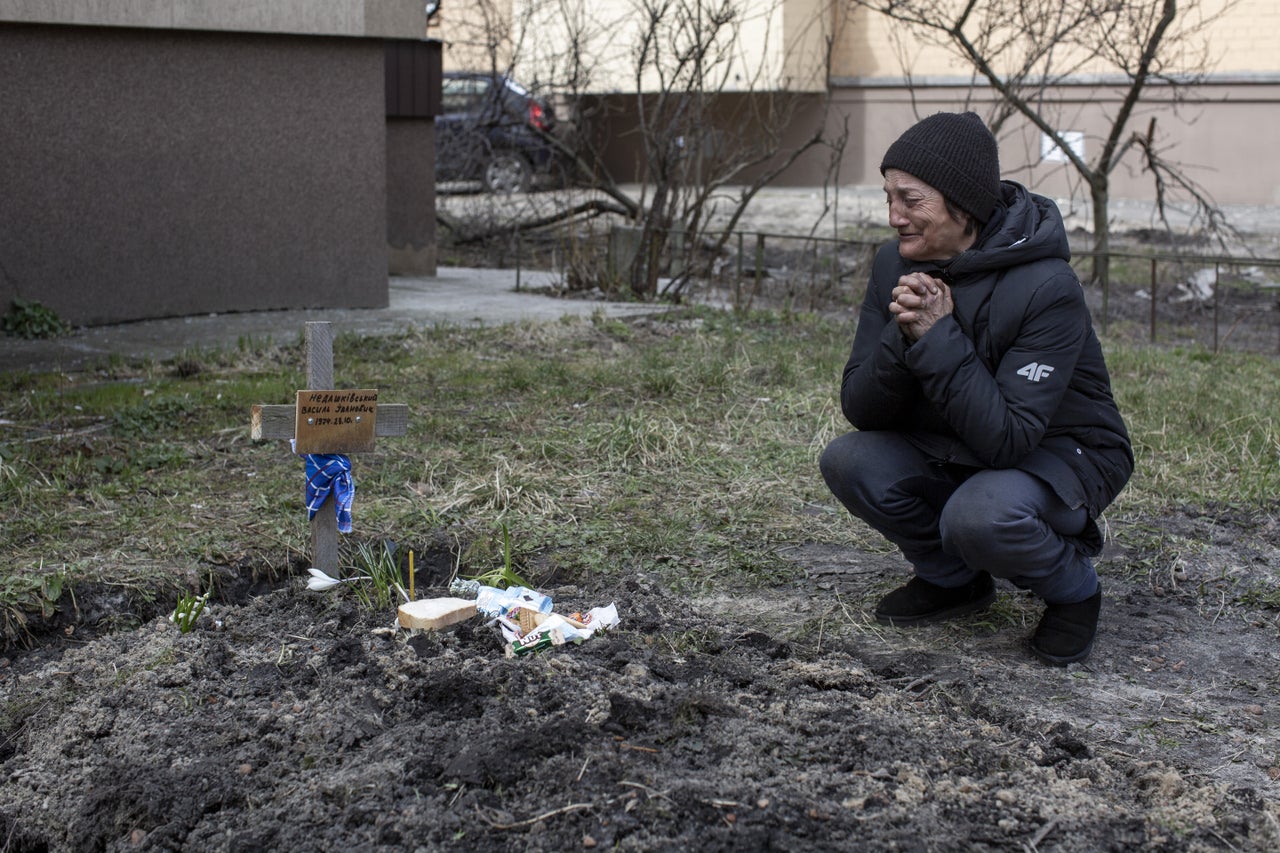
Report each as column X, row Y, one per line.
column 926, row 229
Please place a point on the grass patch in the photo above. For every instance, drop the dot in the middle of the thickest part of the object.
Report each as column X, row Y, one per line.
column 378, row 563
column 1206, row 428
column 685, row 448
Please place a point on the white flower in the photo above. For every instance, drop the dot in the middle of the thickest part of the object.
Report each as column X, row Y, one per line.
column 320, row 581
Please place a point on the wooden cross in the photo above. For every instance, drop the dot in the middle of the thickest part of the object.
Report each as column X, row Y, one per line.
column 334, row 422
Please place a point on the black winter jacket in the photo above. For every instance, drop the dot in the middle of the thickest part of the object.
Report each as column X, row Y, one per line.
column 1013, row 378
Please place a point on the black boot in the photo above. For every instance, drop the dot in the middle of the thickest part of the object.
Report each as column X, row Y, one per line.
column 920, row 602
column 1066, row 631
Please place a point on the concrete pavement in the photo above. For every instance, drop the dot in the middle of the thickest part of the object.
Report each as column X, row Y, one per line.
column 457, row 296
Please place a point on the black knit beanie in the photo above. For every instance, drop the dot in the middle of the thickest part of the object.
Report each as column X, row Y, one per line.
column 955, row 154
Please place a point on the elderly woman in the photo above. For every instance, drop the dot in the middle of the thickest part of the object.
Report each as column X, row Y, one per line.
column 987, row 440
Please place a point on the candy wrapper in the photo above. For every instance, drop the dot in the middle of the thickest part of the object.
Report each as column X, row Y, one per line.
column 528, row 631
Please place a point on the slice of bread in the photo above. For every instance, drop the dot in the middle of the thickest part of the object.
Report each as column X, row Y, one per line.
column 434, row 613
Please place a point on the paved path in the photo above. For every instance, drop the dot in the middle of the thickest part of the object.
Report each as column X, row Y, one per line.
column 457, row 296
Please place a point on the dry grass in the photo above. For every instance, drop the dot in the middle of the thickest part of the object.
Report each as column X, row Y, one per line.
column 684, row 447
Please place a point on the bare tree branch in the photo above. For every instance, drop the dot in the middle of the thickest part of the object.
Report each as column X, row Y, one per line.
column 594, row 207
column 714, row 114
column 1052, row 42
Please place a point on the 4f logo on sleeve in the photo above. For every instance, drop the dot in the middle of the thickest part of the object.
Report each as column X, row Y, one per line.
column 1035, row 371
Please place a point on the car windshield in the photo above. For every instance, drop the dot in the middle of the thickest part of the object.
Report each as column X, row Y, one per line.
column 459, row 93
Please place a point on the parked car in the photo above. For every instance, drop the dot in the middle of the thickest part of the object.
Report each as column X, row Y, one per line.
column 492, row 130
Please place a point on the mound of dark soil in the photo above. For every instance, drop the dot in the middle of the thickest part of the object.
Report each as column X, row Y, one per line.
column 788, row 720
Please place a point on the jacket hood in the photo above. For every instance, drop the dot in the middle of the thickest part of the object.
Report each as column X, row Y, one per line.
column 1025, row 228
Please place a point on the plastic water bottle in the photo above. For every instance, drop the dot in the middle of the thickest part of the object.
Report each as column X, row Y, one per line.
column 492, row 601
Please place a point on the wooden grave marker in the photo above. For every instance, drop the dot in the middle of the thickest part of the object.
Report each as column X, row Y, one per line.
column 327, row 420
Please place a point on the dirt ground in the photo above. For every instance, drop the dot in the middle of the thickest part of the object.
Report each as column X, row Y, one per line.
column 785, row 720
column 295, row 720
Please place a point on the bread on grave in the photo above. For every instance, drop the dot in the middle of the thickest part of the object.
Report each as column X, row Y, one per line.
column 435, row 613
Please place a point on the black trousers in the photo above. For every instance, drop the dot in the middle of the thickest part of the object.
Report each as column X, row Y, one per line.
column 951, row 522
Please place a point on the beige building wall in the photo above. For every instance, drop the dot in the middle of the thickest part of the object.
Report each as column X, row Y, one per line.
column 809, row 25
column 1245, row 38
column 770, row 45
column 782, row 41
column 1234, row 167
column 1228, row 122
column 477, row 35
column 1238, row 37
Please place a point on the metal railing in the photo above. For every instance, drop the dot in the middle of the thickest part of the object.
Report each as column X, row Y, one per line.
column 1232, row 286
column 1205, row 300
column 1169, row 298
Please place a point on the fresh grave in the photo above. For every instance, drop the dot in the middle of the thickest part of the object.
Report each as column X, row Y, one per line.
column 324, row 424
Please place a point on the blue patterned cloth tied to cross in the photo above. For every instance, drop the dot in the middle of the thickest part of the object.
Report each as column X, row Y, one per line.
column 330, row 473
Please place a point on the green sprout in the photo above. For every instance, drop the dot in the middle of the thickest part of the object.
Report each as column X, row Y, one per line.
column 188, row 610
column 378, row 566
column 505, row 575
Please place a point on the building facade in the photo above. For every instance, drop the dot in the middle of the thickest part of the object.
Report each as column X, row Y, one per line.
column 1210, row 128
column 171, row 157
column 865, row 74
